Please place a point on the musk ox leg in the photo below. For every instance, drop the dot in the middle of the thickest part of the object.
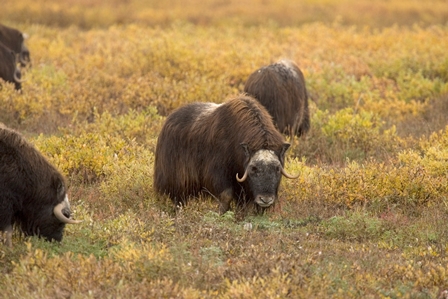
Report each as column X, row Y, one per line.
column 225, row 198
column 304, row 126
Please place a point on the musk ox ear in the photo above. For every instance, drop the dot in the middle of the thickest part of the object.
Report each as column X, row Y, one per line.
column 246, row 149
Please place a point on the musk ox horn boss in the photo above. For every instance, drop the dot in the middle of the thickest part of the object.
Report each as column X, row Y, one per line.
column 231, row 150
column 32, row 191
column 280, row 88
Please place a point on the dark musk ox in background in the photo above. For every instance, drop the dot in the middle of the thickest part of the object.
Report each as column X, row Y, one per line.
column 280, row 87
column 32, row 192
column 231, row 150
column 8, row 67
column 15, row 40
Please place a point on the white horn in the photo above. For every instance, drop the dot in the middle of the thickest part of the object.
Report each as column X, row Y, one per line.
column 17, row 79
column 61, row 217
column 288, row 175
column 243, row 178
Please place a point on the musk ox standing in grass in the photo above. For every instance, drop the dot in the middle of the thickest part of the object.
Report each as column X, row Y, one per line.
column 231, row 150
column 8, row 67
column 32, row 192
column 15, row 40
column 280, row 87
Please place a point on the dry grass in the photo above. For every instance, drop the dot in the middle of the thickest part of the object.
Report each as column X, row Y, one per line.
column 365, row 219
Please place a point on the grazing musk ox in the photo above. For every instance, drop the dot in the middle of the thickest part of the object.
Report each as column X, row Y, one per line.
column 32, row 192
column 280, row 87
column 15, row 40
column 8, row 67
column 230, row 150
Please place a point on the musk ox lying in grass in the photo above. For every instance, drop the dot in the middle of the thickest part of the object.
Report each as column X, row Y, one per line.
column 280, row 88
column 32, row 192
column 231, row 150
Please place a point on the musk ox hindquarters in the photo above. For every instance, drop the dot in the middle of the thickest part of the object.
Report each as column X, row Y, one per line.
column 280, row 88
column 230, row 150
column 15, row 40
column 32, row 192
column 8, row 67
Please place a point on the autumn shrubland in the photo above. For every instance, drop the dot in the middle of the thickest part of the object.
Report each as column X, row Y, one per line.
column 365, row 219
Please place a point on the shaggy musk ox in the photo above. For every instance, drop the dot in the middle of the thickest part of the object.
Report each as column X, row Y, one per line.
column 15, row 40
column 231, row 150
column 8, row 68
column 32, row 192
column 280, row 87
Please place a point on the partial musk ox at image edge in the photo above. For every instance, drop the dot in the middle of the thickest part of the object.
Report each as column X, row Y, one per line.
column 230, row 150
column 15, row 40
column 8, row 67
column 33, row 193
column 280, row 88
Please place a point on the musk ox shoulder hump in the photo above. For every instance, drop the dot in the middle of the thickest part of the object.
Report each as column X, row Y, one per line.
column 291, row 66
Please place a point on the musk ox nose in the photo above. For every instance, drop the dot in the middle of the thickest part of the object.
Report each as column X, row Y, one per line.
column 264, row 200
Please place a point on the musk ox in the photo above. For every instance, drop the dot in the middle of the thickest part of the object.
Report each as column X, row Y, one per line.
column 15, row 40
column 8, row 67
column 232, row 151
column 280, row 87
column 32, row 192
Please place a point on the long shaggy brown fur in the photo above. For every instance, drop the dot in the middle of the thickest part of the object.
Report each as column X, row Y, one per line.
column 280, row 87
column 199, row 148
column 30, row 187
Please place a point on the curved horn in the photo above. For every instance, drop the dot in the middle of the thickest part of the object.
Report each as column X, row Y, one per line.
column 243, row 178
column 60, row 216
column 288, row 175
column 17, row 79
column 22, row 60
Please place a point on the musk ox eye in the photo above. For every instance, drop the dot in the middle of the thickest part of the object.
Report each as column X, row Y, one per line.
column 254, row 169
column 277, row 169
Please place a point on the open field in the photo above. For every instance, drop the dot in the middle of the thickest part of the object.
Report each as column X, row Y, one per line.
column 367, row 217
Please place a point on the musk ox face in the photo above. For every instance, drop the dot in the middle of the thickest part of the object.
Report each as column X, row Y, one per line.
column 49, row 221
column 263, row 174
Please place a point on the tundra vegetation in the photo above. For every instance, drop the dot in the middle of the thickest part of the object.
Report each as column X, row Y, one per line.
column 367, row 217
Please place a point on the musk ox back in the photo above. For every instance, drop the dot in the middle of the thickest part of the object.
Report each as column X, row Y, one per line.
column 32, row 192
column 280, row 87
column 8, row 67
column 230, row 150
column 15, row 40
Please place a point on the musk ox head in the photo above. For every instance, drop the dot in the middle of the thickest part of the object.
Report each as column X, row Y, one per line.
column 15, row 40
column 8, row 67
column 48, row 221
column 263, row 173
column 32, row 191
